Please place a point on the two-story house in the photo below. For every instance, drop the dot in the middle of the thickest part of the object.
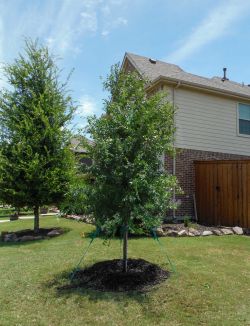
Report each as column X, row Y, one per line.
column 212, row 119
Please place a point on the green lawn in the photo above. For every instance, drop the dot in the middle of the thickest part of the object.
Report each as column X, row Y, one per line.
column 212, row 286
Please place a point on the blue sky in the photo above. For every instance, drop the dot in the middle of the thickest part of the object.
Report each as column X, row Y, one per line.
column 202, row 36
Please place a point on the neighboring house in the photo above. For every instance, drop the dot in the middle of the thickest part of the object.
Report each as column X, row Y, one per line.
column 80, row 152
column 212, row 119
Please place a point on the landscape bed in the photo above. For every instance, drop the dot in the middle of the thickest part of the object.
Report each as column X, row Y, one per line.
column 179, row 229
column 211, row 286
column 109, row 276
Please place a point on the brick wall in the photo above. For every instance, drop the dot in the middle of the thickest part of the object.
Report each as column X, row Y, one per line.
column 186, row 175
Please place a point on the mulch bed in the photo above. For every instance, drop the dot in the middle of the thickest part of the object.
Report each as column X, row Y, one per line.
column 108, row 276
column 42, row 232
column 30, row 235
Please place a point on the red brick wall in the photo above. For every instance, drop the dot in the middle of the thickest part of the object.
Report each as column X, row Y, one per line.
column 186, row 175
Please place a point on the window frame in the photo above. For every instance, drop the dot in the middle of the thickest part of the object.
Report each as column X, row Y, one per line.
column 238, row 120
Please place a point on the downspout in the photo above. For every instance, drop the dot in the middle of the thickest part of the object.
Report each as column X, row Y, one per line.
column 174, row 158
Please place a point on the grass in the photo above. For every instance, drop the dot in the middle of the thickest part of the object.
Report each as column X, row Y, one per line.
column 212, row 286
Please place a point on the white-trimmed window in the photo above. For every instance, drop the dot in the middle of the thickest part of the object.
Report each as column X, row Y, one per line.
column 244, row 119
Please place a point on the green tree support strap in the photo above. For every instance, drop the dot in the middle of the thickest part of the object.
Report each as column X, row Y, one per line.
column 93, row 236
column 155, row 237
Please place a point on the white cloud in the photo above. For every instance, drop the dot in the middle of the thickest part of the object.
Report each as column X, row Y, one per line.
column 50, row 41
column 3, row 83
column 66, row 26
column 105, row 33
column 1, row 39
column 216, row 24
column 89, row 21
column 109, row 20
column 120, row 21
column 79, row 18
column 106, row 10
column 113, row 24
column 62, row 24
column 87, row 106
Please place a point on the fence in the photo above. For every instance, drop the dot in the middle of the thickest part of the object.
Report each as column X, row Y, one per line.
column 223, row 192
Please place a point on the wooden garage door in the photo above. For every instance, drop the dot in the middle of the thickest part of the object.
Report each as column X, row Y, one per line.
column 223, row 192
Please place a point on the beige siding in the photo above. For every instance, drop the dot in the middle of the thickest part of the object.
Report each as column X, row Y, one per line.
column 208, row 122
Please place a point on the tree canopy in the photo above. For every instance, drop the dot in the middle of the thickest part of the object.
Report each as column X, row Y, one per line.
column 131, row 190
column 35, row 161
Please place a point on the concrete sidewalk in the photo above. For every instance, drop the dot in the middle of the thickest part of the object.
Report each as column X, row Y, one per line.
column 29, row 217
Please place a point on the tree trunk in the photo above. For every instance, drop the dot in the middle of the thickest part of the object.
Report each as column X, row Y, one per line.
column 125, row 249
column 36, row 219
column 17, row 211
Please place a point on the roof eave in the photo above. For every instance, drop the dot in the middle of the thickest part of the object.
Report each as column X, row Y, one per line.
column 195, row 86
column 124, row 60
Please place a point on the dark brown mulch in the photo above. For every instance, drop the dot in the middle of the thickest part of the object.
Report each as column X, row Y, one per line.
column 30, row 235
column 108, row 276
column 42, row 232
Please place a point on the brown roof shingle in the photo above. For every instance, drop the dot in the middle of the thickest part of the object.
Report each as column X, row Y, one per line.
column 160, row 69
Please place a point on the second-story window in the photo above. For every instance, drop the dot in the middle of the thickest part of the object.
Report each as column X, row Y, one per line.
column 244, row 119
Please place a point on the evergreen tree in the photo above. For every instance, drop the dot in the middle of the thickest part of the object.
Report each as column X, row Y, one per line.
column 130, row 191
column 36, row 164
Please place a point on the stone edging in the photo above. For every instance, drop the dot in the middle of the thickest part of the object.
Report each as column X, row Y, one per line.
column 192, row 232
column 172, row 232
column 79, row 218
